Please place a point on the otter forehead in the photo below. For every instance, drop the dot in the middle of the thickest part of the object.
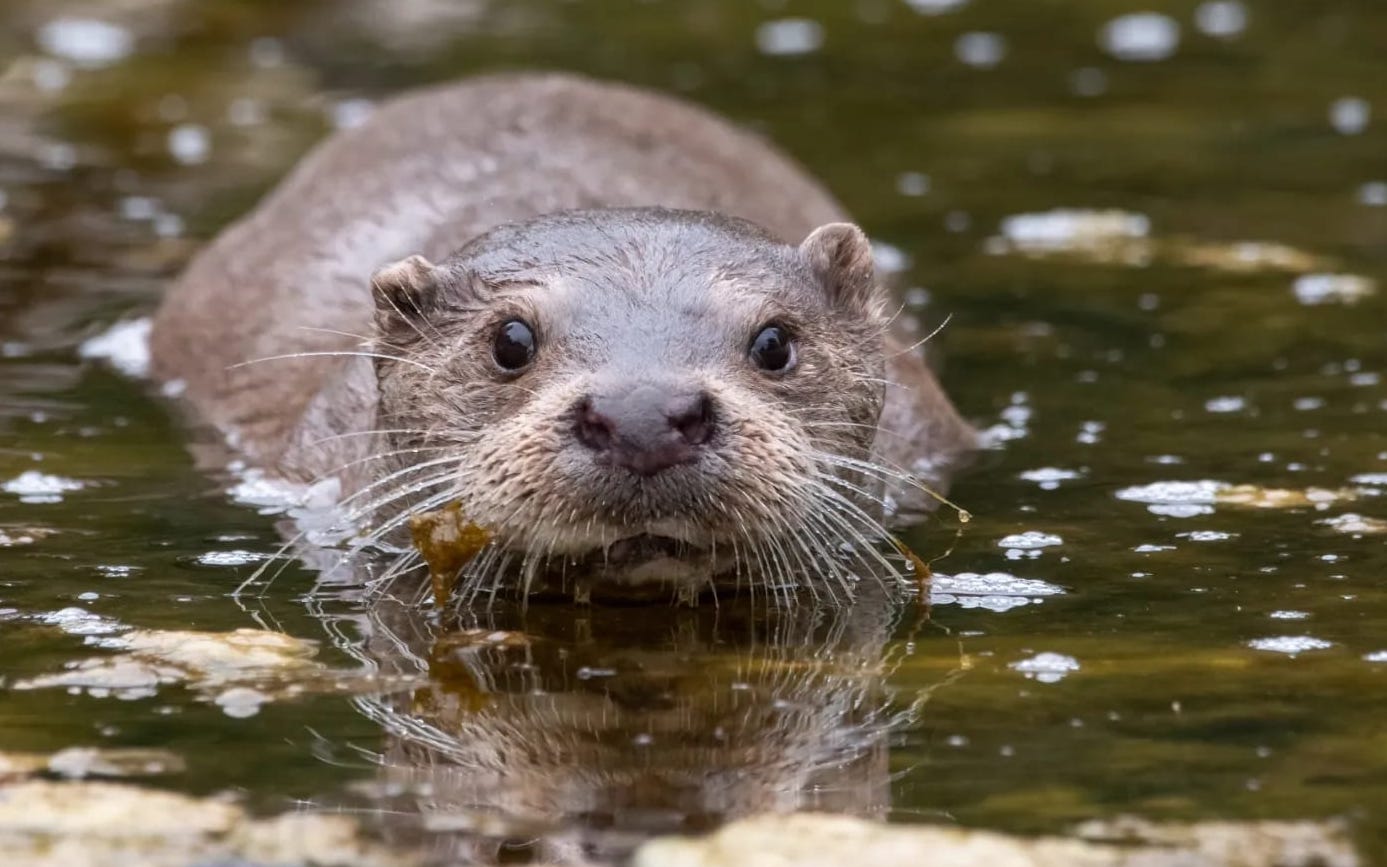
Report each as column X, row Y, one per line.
column 644, row 280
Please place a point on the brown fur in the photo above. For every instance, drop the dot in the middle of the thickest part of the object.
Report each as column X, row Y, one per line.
column 535, row 193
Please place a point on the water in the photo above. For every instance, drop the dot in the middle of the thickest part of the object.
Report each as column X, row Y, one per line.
column 1177, row 652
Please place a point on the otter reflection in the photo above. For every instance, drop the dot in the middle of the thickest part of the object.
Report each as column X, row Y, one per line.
column 569, row 735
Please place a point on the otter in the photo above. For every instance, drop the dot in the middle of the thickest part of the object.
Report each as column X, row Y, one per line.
column 617, row 329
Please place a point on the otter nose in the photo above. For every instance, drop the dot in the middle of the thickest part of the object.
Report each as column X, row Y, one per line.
column 646, row 429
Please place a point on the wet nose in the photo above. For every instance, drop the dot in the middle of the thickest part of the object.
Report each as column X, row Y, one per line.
column 646, row 429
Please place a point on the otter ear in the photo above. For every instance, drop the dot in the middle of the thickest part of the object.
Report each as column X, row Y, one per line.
column 841, row 257
column 405, row 290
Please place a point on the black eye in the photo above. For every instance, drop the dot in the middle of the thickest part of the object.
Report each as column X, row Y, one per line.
column 515, row 345
column 772, row 349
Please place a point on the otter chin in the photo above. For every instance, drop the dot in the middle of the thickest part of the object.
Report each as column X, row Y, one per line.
column 635, row 345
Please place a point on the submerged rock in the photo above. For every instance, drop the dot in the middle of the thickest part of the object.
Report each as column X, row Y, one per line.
column 809, row 840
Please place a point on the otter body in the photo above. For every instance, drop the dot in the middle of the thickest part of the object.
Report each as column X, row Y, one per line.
column 648, row 331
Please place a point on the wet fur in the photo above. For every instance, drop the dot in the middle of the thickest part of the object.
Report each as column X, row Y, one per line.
column 288, row 351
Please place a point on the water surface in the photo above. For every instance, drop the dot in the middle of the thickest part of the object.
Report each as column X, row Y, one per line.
column 1207, row 311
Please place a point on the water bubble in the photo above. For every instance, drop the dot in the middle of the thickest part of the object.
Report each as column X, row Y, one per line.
column 1221, row 18
column 980, row 50
column 1140, row 36
column 912, row 184
column 790, row 36
column 1313, row 289
column 1226, row 403
column 935, row 7
column 1349, row 115
column 190, row 143
column 1046, row 667
column 87, row 42
column 34, row 487
column 1373, row 194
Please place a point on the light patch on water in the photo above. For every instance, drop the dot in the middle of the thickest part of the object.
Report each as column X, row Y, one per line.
column 240, row 702
column 1153, row 549
column 1049, row 478
column 45, row 823
column 1206, row 536
column 77, row 763
column 1316, row 289
column 980, row 50
column 124, row 345
column 190, row 144
column 34, row 487
column 1376, row 656
column 888, row 258
column 1372, row 480
column 1090, row 433
column 1140, row 36
column 789, row 36
column 1224, row 19
column 912, row 184
column 1287, row 614
column 86, row 42
column 80, row 621
column 210, row 663
column 1349, row 115
column 1028, row 545
column 230, row 558
column 1030, row 539
column 1307, row 404
column 1066, row 229
column 350, row 113
column 1226, row 403
column 1373, row 194
column 1355, row 524
column 994, row 591
column 1199, row 493
column 1291, row 645
column 1046, row 667
column 935, row 7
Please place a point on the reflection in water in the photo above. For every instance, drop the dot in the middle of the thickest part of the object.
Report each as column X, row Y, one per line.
column 568, row 734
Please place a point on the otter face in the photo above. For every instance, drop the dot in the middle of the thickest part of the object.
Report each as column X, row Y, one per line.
column 659, row 395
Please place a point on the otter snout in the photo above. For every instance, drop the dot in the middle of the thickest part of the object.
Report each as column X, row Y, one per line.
column 645, row 429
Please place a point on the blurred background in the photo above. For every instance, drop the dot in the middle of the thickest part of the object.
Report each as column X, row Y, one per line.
column 1159, row 230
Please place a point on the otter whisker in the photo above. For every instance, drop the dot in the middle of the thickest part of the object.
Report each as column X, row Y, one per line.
column 926, row 339
column 292, row 355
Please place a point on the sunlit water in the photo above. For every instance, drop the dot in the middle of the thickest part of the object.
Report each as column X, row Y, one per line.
column 1161, row 239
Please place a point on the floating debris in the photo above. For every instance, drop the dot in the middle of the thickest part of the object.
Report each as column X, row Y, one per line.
column 125, row 346
column 993, row 591
column 100, row 824
column 1187, row 499
column 448, row 542
column 1046, row 667
column 34, row 487
column 820, row 840
column 209, row 662
column 1355, row 524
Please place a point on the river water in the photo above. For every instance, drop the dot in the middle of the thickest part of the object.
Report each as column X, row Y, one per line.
column 1159, row 241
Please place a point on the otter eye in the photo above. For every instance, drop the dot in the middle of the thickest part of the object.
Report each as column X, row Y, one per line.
column 515, row 345
column 772, row 349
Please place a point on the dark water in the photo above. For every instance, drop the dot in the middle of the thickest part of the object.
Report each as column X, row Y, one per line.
column 1169, row 354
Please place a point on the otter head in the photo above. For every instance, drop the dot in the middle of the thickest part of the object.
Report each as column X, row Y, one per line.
column 652, row 395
